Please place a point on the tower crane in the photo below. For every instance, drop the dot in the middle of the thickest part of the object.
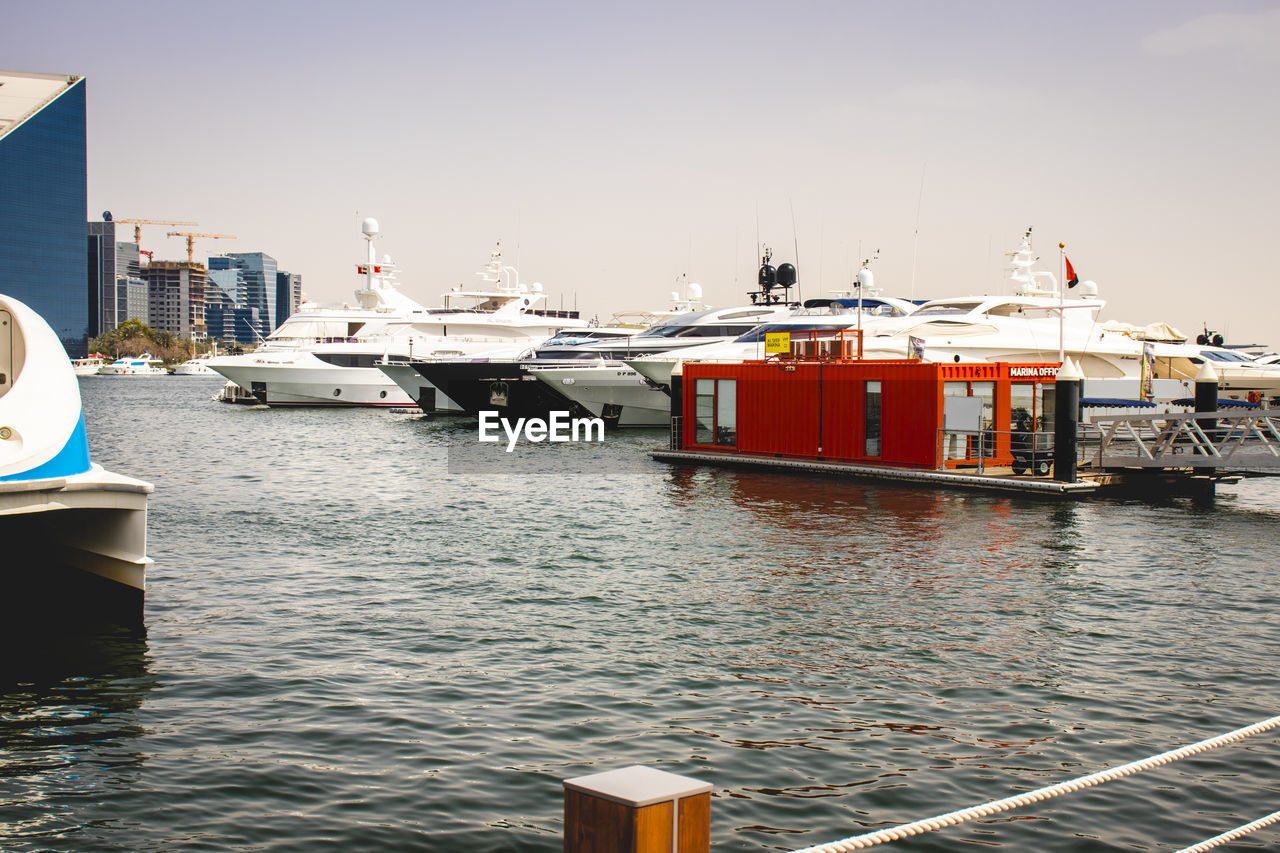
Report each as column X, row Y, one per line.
column 191, row 235
column 138, row 223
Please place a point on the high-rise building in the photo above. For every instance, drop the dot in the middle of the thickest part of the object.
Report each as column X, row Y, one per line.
column 43, row 196
column 112, row 266
column 288, row 296
column 176, row 304
column 137, row 300
column 260, row 283
column 227, row 314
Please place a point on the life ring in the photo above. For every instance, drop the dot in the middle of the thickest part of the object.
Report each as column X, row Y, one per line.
column 1255, row 398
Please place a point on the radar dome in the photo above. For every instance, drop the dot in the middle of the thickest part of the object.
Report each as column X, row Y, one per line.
column 786, row 275
column 536, row 287
column 695, row 291
column 369, row 227
column 1088, row 288
column 865, row 279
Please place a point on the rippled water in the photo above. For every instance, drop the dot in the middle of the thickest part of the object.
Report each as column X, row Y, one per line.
column 348, row 648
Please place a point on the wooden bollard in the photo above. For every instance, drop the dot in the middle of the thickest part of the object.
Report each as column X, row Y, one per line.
column 637, row 809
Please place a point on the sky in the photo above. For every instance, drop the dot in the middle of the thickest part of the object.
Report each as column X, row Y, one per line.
column 613, row 148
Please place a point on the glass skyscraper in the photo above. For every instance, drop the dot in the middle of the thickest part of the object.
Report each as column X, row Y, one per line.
column 43, row 196
column 259, row 271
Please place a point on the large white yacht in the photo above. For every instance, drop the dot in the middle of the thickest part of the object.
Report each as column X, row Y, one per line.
column 622, row 324
column 328, row 357
column 1036, row 323
column 633, row 392
column 511, row 386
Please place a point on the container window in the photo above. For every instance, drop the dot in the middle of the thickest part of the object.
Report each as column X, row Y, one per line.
column 716, row 412
column 704, row 412
column 872, row 420
column 727, row 412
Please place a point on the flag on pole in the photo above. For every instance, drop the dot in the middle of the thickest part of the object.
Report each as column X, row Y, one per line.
column 1072, row 278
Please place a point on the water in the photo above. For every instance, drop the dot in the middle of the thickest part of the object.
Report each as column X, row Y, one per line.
column 348, row 648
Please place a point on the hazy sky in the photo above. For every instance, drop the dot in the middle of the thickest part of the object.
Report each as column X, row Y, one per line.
column 614, row 147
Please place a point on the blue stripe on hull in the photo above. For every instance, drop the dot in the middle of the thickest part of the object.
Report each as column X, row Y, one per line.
column 73, row 458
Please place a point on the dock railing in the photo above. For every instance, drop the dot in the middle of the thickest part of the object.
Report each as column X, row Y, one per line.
column 1247, row 441
column 1025, row 451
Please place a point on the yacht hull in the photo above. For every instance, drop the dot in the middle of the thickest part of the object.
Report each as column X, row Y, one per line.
column 289, row 385
column 616, row 393
column 497, row 386
column 426, row 396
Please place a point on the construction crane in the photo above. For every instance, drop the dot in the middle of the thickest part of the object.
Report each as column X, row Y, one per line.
column 138, row 223
column 191, row 235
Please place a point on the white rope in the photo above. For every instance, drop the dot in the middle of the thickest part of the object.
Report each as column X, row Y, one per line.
column 1238, row 832
column 897, row 833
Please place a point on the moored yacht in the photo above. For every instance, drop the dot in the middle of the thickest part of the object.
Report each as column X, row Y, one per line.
column 858, row 308
column 1035, row 324
column 90, row 364
column 316, row 360
column 512, row 387
column 141, row 365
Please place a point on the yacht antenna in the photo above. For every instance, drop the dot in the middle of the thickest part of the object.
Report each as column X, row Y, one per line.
column 1062, row 254
column 795, row 245
column 915, row 243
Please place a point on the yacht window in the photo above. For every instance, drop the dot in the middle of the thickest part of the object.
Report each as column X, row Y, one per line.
column 757, row 334
column 1219, row 355
column 1025, row 312
column 946, row 308
column 739, row 315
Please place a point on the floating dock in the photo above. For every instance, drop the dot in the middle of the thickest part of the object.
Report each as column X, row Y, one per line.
column 988, row 426
column 996, row 480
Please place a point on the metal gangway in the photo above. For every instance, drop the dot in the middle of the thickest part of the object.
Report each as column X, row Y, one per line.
column 1243, row 442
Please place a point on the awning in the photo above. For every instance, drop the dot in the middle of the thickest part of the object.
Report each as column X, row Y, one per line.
column 1112, row 403
column 1223, row 403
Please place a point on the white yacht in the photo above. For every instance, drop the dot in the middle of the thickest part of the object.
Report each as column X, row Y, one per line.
column 142, row 365
column 1038, row 322
column 194, row 367
column 862, row 306
column 1035, row 323
column 90, row 364
column 426, row 397
column 327, row 358
column 511, row 387
column 70, row 529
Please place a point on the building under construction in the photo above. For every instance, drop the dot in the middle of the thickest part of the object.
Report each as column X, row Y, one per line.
column 176, row 301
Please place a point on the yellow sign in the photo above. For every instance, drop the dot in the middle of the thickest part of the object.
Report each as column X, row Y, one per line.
column 777, row 342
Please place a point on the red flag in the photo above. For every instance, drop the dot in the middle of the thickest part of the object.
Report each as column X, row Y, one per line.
column 1072, row 278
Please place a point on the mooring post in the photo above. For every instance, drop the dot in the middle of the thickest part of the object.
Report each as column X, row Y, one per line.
column 1066, row 421
column 637, row 809
column 1207, row 401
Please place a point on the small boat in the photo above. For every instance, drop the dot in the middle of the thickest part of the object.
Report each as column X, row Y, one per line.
column 141, row 365
column 195, row 367
column 74, row 535
column 90, row 364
